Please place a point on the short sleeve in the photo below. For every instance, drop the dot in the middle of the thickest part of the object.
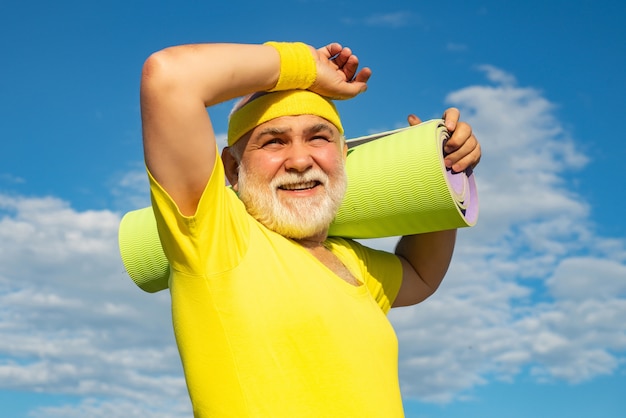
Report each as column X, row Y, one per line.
column 214, row 238
column 380, row 271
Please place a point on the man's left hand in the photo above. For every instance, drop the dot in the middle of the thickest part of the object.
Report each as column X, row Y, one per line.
column 462, row 150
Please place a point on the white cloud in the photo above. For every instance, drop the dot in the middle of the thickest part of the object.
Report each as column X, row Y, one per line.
column 519, row 295
column 456, row 47
column 131, row 190
column 70, row 320
column 497, row 75
column 11, row 179
column 391, row 20
column 115, row 408
column 584, row 278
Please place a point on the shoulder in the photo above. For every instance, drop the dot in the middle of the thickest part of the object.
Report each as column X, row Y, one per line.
column 357, row 249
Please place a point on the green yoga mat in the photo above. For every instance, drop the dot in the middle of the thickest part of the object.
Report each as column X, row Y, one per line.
column 397, row 185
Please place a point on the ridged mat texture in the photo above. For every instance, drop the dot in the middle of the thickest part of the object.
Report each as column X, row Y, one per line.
column 141, row 251
column 397, row 185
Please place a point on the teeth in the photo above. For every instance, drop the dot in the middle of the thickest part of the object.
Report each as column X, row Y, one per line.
column 299, row 186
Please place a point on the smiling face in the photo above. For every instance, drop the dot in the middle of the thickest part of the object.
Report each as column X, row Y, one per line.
column 292, row 176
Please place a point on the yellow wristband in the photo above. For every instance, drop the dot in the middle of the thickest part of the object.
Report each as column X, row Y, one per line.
column 297, row 66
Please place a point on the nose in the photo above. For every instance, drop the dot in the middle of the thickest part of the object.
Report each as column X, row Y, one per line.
column 298, row 158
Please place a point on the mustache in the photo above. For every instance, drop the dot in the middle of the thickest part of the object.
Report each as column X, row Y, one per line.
column 291, row 179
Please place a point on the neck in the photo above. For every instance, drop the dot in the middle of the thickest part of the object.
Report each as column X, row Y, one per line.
column 314, row 241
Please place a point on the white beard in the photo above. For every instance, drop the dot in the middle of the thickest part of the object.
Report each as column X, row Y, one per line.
column 298, row 217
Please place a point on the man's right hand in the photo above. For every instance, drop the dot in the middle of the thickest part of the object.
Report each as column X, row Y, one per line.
column 337, row 76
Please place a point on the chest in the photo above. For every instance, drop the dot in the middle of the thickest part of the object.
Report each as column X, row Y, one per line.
column 284, row 290
column 334, row 265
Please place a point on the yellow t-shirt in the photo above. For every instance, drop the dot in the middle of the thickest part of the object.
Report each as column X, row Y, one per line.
column 266, row 330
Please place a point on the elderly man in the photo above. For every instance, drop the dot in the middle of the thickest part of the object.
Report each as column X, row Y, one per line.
column 273, row 318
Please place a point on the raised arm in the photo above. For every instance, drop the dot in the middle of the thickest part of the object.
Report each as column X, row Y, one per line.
column 180, row 82
column 177, row 86
column 426, row 257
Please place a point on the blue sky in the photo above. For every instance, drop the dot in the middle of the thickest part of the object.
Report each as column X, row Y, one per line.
column 531, row 320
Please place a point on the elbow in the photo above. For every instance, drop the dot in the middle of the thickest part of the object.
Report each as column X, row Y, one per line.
column 160, row 70
column 154, row 69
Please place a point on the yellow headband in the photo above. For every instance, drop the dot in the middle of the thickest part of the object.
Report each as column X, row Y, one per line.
column 276, row 104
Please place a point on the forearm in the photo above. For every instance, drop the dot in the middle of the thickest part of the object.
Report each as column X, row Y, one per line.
column 179, row 83
column 211, row 73
column 429, row 254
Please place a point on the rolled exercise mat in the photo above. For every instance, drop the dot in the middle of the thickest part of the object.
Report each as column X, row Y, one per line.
column 141, row 250
column 397, row 185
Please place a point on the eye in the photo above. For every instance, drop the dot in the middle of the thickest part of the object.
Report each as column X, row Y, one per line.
column 320, row 138
column 273, row 142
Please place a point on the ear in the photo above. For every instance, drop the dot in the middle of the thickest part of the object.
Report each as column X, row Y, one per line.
column 345, row 151
column 231, row 168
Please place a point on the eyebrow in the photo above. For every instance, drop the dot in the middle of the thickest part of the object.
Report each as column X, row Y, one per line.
column 318, row 127
column 279, row 130
column 274, row 130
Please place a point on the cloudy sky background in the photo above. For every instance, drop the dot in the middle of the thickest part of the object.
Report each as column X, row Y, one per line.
column 531, row 320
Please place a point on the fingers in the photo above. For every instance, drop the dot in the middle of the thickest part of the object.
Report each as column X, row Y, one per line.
column 451, row 117
column 338, row 73
column 470, row 160
column 346, row 61
column 343, row 57
column 468, row 156
column 413, row 120
column 363, row 76
column 462, row 149
column 461, row 134
column 347, row 91
column 330, row 50
column 348, row 66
